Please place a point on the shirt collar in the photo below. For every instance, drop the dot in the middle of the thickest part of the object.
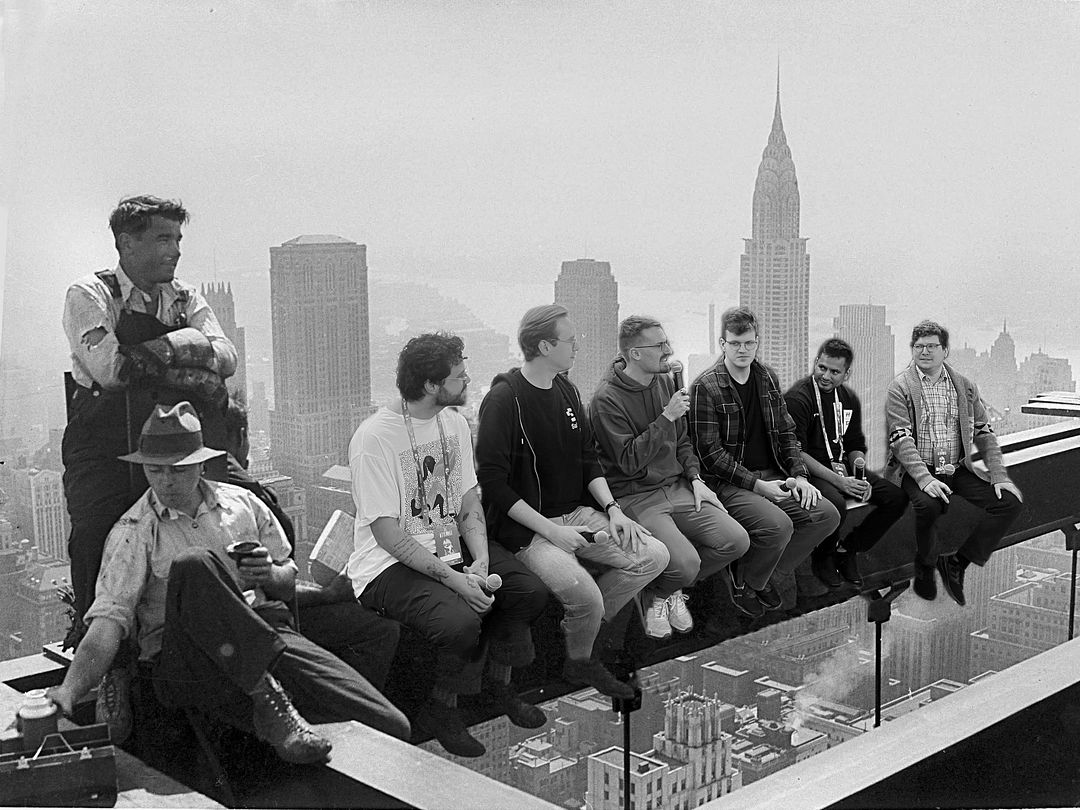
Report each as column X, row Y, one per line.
column 925, row 378
column 127, row 286
column 209, row 501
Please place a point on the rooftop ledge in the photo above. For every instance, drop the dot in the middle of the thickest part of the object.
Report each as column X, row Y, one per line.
column 897, row 765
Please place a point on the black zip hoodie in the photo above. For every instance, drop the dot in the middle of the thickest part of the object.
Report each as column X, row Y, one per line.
column 535, row 445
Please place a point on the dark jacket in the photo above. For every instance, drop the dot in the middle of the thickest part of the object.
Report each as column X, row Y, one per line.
column 639, row 449
column 509, row 445
column 717, row 427
column 802, row 406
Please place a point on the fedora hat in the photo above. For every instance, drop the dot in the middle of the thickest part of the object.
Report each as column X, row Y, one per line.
column 172, row 437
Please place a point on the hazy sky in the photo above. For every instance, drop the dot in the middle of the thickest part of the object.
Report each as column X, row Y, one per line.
column 477, row 145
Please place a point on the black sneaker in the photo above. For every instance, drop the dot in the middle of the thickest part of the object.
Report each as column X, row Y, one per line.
column 769, row 597
column 742, row 595
column 848, row 568
column 524, row 715
column 952, row 570
column 824, row 568
column 924, row 584
column 444, row 723
column 589, row 671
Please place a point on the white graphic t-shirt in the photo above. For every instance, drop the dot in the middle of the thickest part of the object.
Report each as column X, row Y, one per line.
column 386, row 483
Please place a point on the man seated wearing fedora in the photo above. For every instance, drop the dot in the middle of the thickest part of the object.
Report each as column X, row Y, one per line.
column 214, row 634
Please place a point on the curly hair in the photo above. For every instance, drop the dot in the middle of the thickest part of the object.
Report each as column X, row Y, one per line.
column 132, row 214
column 427, row 358
column 930, row 329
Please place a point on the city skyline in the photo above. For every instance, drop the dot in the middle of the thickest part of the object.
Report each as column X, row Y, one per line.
column 482, row 169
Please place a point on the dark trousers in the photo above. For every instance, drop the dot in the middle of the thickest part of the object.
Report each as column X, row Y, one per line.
column 357, row 635
column 999, row 514
column 215, row 649
column 460, row 635
column 889, row 503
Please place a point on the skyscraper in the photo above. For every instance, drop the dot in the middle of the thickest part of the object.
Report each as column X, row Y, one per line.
column 864, row 327
column 589, row 291
column 774, row 278
column 220, row 298
column 322, row 376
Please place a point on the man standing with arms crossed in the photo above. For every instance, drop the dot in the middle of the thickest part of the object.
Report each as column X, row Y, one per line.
column 746, row 442
column 828, row 425
column 935, row 419
column 138, row 336
column 644, row 448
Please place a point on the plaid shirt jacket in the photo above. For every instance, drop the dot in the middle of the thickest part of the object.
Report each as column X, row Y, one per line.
column 717, row 427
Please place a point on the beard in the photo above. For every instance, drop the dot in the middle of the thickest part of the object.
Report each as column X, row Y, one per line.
column 445, row 399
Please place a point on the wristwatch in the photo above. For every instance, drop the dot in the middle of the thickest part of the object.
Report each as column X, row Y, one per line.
column 610, row 506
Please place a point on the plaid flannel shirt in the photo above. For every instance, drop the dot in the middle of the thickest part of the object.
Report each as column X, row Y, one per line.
column 717, row 427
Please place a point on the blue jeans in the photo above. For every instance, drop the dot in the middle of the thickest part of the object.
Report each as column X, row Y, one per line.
column 587, row 601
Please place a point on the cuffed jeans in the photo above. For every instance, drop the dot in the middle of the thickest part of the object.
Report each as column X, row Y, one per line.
column 587, row 601
column 215, row 649
column 700, row 543
column 782, row 534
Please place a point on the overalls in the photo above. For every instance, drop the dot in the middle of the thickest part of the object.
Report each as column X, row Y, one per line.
column 103, row 425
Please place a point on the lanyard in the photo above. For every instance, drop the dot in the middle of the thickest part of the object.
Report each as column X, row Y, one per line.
column 839, row 421
column 420, row 467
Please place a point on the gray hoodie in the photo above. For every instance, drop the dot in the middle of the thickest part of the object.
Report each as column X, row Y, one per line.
column 639, row 448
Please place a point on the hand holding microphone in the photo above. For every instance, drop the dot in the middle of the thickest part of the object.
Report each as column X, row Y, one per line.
column 679, row 403
column 491, row 584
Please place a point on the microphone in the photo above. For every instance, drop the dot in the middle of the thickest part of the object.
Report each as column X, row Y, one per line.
column 677, row 372
column 860, row 469
column 492, row 584
column 789, row 485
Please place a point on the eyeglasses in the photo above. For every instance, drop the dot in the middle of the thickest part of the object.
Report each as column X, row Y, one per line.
column 664, row 345
column 463, row 377
column 572, row 340
column 925, row 348
column 739, row 345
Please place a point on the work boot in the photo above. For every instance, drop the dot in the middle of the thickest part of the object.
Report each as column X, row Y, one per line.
column 445, row 724
column 580, row 671
column 506, row 699
column 113, row 705
column 679, row 614
column 278, row 722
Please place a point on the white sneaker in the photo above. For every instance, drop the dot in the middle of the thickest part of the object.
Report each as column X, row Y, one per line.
column 678, row 614
column 656, row 619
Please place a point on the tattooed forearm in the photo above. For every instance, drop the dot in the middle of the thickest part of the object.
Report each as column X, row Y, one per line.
column 406, row 550
column 473, row 526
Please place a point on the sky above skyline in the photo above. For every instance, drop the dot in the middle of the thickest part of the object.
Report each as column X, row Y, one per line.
column 476, row 146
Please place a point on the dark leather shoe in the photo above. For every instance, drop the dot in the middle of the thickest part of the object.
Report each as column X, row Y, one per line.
column 445, row 724
column 848, row 568
column 824, row 568
column 593, row 673
column 952, row 570
column 924, row 584
column 520, row 713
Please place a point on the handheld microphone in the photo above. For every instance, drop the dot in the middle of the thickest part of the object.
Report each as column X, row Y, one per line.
column 789, row 485
column 860, row 469
column 492, row 584
column 677, row 373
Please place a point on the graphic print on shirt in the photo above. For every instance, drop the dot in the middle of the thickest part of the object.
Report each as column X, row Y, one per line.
column 572, row 417
column 439, row 501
